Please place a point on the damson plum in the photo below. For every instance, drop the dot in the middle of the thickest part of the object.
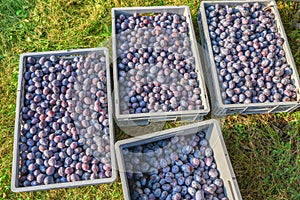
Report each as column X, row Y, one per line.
column 154, row 55
column 192, row 175
column 246, row 37
column 65, row 103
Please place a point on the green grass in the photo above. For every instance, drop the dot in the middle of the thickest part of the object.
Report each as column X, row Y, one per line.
column 264, row 149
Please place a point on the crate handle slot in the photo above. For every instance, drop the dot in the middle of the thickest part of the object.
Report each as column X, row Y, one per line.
column 231, row 189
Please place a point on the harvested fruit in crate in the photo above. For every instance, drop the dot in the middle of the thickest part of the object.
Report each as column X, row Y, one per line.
column 156, row 66
column 65, row 123
column 249, row 55
column 180, row 167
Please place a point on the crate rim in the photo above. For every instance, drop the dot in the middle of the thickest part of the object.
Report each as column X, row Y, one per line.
column 16, row 153
column 144, row 139
column 146, row 8
column 154, row 115
column 213, row 67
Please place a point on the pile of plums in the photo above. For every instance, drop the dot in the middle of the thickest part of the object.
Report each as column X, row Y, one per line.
column 156, row 65
column 249, row 55
column 65, row 128
column 180, row 167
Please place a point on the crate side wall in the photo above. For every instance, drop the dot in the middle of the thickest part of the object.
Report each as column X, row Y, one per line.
column 213, row 134
column 218, row 107
column 146, row 118
column 19, row 104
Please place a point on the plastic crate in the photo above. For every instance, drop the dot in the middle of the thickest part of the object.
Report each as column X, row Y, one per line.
column 218, row 107
column 67, row 54
column 213, row 135
column 146, row 118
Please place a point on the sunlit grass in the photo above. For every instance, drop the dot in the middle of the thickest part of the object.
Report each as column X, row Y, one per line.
column 264, row 149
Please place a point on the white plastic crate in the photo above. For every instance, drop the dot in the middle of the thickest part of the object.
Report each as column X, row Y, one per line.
column 67, row 54
column 146, row 118
column 216, row 142
column 219, row 108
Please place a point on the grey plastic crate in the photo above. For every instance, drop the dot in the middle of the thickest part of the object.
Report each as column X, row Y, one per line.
column 218, row 107
column 145, row 118
column 67, row 54
column 216, row 141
